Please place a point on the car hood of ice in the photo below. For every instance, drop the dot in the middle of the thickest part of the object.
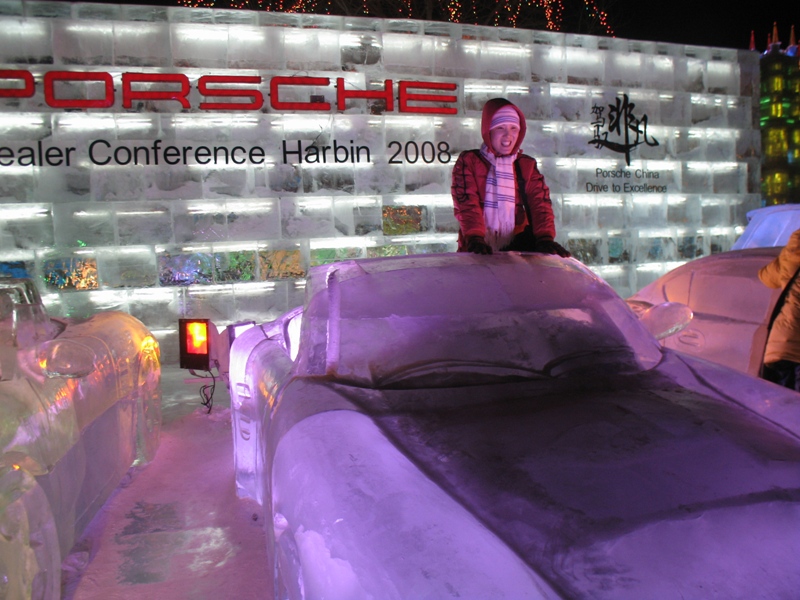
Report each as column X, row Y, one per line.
column 625, row 487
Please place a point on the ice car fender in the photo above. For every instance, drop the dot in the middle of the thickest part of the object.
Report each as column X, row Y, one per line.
column 300, row 398
column 251, row 401
column 117, row 339
column 36, row 427
column 367, row 523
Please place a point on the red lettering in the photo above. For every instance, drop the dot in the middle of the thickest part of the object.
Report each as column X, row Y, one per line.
column 129, row 94
column 342, row 95
column 277, row 104
column 19, row 83
column 53, row 77
column 12, row 92
column 405, row 97
column 255, row 96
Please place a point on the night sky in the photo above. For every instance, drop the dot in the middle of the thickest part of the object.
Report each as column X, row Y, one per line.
column 706, row 22
column 725, row 23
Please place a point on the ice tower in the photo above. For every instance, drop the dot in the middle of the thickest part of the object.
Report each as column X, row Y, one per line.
column 172, row 161
column 780, row 120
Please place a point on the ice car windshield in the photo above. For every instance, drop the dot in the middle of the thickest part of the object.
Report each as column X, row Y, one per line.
column 462, row 322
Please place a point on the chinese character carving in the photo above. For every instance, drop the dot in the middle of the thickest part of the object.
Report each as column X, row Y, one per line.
column 628, row 130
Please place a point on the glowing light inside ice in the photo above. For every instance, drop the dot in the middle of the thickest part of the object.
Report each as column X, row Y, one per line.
column 22, row 121
column 207, row 34
column 301, row 38
column 11, row 213
column 197, row 337
column 86, row 123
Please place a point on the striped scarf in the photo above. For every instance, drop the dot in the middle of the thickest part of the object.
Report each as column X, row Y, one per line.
column 499, row 202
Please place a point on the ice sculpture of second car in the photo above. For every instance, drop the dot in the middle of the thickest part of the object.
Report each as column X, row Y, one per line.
column 80, row 402
column 504, row 427
column 731, row 308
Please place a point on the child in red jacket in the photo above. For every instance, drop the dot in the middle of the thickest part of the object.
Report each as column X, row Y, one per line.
column 500, row 198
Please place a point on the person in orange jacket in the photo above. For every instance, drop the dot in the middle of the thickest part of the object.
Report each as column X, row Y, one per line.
column 499, row 196
column 782, row 354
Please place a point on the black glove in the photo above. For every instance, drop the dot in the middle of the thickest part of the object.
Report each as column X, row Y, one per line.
column 477, row 245
column 550, row 247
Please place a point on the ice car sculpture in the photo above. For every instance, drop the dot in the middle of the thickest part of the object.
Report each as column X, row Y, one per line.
column 80, row 402
column 505, row 427
column 731, row 307
column 769, row 226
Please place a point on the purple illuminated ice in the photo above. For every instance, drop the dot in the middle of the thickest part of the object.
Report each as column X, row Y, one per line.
column 505, row 427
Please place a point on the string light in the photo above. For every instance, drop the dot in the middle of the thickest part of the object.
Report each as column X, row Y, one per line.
column 506, row 13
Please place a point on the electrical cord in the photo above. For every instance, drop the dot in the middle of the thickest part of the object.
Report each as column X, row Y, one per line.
column 207, row 390
column 207, row 393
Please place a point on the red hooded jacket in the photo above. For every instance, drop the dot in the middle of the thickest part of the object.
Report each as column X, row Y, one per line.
column 469, row 186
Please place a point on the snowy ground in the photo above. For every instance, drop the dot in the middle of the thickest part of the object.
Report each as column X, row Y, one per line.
column 175, row 529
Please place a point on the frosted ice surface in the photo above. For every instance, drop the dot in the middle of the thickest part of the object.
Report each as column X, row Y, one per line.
column 718, row 541
column 199, row 45
column 503, row 61
column 25, row 41
column 332, row 577
column 427, row 180
column 770, row 226
column 82, row 224
column 253, row 220
column 559, row 173
column 548, row 63
column 696, row 177
column 360, row 50
column 227, row 183
column 738, row 111
column 91, row 43
column 659, row 72
column 409, row 53
column 585, row 66
column 307, row 218
column 689, row 75
column 398, row 544
column 722, row 145
column 141, row 44
column 29, row 528
column 582, row 214
column 572, row 143
column 647, row 211
column 313, row 51
column 674, row 108
column 256, row 48
column 722, row 77
column 623, row 69
column 570, row 104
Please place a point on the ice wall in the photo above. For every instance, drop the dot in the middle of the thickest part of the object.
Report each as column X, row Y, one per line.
column 233, row 240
